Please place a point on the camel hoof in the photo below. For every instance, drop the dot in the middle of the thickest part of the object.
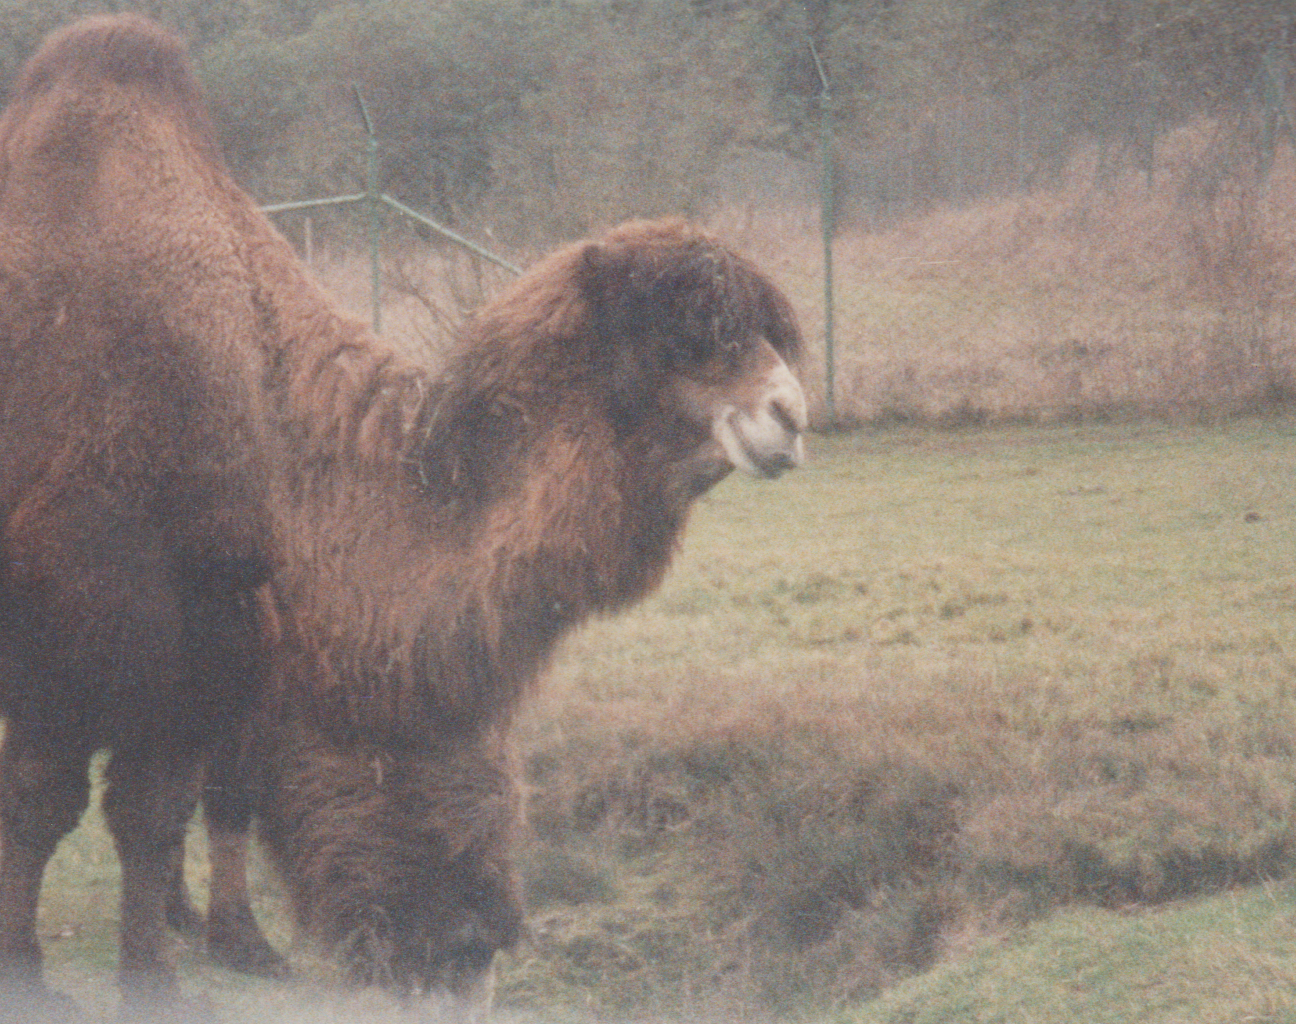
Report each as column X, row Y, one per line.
column 185, row 921
column 235, row 942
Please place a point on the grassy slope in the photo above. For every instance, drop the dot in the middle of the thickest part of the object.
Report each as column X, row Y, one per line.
column 1224, row 959
column 1069, row 648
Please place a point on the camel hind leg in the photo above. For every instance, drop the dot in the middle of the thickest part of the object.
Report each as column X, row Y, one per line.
column 90, row 611
column 234, row 939
column 44, row 790
column 182, row 916
column 151, row 665
column 153, row 781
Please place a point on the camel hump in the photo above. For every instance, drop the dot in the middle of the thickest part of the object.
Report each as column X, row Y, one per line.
column 125, row 49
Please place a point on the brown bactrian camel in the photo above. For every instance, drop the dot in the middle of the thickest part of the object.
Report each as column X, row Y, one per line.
column 545, row 476
column 237, row 524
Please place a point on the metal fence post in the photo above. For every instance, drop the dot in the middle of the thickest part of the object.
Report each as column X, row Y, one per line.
column 372, row 199
column 1277, row 117
column 826, row 218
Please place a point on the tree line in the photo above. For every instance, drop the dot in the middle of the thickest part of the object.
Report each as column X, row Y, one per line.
column 542, row 118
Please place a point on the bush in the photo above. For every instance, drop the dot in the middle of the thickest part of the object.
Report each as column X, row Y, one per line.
column 256, row 95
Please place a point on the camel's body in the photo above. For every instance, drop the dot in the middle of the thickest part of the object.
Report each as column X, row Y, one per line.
column 135, row 463
column 552, row 478
column 196, row 419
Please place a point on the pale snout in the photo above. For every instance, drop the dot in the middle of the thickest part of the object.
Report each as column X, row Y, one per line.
column 766, row 439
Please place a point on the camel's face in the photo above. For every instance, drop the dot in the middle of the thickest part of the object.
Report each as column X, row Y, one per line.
column 430, row 937
column 751, row 409
column 701, row 343
column 740, row 409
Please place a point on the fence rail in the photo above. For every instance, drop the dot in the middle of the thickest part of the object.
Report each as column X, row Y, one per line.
column 374, row 200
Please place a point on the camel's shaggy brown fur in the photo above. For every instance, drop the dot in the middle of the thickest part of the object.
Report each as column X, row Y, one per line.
column 187, row 417
column 545, row 476
column 537, row 481
column 136, row 460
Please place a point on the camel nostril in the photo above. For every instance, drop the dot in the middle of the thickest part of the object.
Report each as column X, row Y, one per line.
column 785, row 418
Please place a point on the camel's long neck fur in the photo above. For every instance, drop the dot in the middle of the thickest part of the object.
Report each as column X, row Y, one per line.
column 444, row 533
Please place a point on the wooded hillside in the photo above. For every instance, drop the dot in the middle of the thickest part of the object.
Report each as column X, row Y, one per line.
column 537, row 119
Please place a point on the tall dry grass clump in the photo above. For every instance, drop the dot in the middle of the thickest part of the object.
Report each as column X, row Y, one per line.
column 801, row 857
column 794, row 849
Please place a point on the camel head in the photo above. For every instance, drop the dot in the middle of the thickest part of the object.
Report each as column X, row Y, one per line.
column 655, row 340
column 699, row 345
column 399, row 863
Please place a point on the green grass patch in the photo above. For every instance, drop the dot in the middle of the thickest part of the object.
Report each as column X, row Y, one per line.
column 935, row 684
column 1223, row 959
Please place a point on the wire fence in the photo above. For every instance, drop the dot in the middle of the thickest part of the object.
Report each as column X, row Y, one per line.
column 974, row 148
column 1126, row 271
column 969, row 146
column 373, row 199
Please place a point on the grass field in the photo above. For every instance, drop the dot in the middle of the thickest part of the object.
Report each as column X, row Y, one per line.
column 985, row 724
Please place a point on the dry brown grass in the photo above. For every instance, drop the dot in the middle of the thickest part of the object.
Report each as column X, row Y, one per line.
column 1076, row 302
column 1098, row 299
column 791, row 850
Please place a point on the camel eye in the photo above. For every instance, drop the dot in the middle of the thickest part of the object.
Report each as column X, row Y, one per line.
column 689, row 350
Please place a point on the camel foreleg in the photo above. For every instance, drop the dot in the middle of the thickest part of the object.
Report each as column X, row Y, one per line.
column 234, row 939
column 147, row 806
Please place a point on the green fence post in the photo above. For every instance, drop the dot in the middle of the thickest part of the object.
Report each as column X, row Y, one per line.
column 826, row 218
column 372, row 199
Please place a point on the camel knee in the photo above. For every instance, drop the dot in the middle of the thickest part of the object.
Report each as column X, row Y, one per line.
column 41, row 799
